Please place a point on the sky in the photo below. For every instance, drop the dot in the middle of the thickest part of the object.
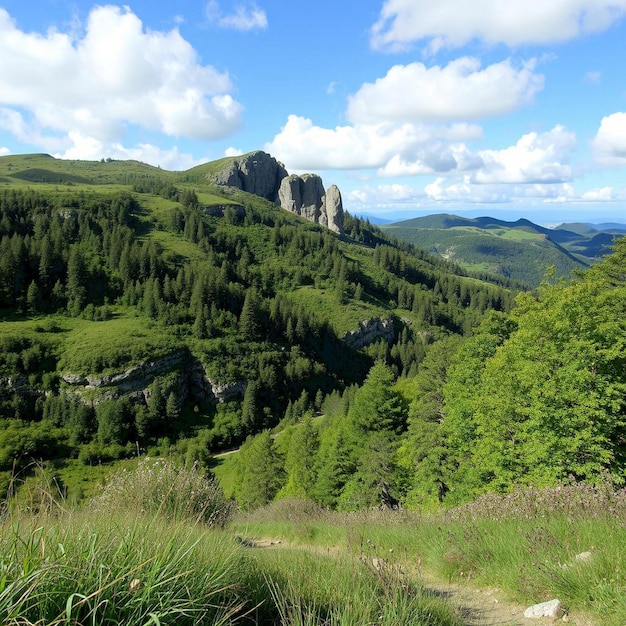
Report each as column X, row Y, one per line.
column 484, row 107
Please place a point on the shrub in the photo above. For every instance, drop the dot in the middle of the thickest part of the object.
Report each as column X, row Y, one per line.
column 161, row 487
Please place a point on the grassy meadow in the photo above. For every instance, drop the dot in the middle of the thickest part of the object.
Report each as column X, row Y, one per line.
column 160, row 544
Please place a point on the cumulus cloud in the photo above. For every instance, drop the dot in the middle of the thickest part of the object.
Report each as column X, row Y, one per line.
column 535, row 158
column 114, row 75
column 4, row 151
column 600, row 194
column 453, row 23
column 232, row 152
column 460, row 90
column 382, row 195
column 301, row 145
column 464, row 189
column 244, row 18
column 609, row 144
column 88, row 148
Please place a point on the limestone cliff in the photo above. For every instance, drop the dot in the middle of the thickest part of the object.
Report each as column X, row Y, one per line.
column 369, row 331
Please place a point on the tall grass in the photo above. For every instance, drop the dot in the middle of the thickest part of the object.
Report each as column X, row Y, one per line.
column 117, row 569
column 152, row 550
column 565, row 542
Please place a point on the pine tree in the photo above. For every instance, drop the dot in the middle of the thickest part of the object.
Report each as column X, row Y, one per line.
column 259, row 474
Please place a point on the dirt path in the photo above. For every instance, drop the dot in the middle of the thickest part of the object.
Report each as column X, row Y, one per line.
column 477, row 606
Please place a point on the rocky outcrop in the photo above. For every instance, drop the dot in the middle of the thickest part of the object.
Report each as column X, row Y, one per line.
column 305, row 196
column 132, row 379
column 369, row 331
column 135, row 383
column 257, row 172
column 261, row 174
column 334, row 209
column 206, row 390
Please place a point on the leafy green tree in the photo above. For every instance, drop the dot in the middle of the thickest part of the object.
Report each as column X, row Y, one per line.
column 249, row 320
column 335, row 466
column 423, row 453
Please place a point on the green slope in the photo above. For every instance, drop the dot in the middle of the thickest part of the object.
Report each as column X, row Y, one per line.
column 520, row 250
column 126, row 292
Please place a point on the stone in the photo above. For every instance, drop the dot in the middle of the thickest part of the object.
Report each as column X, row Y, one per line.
column 256, row 172
column 305, row 196
column 544, row 609
column 302, row 195
column 261, row 174
column 333, row 206
column 369, row 331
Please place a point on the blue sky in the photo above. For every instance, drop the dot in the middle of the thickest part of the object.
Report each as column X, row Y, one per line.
column 511, row 109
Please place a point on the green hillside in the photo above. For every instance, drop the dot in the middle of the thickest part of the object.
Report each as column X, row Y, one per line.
column 520, row 250
column 151, row 310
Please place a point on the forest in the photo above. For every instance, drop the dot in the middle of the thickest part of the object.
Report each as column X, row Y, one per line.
column 481, row 387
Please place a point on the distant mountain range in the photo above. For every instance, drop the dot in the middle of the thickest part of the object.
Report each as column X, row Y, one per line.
column 520, row 250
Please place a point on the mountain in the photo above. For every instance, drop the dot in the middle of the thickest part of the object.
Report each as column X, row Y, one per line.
column 519, row 250
column 156, row 310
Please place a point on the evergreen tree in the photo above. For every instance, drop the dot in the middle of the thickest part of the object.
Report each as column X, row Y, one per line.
column 300, row 460
column 249, row 320
column 259, row 474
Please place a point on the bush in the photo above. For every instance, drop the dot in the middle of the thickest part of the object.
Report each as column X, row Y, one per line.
column 161, row 487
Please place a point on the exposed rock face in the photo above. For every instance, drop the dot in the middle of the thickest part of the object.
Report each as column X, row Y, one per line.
column 191, row 379
column 132, row 379
column 257, row 172
column 369, row 331
column 305, row 196
column 334, row 209
column 206, row 390
column 261, row 174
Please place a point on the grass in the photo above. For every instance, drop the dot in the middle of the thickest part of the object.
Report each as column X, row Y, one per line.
column 140, row 554
column 535, row 545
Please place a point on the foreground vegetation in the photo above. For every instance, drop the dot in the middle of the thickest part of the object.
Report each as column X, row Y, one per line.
column 177, row 556
column 167, row 558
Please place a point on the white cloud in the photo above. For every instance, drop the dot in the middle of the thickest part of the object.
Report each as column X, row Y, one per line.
column 88, row 148
column 4, row 151
column 460, row 90
column 601, row 194
column 535, row 158
column 609, row 144
column 453, row 23
column 233, row 152
column 115, row 74
column 382, row 195
column 244, row 18
column 303, row 146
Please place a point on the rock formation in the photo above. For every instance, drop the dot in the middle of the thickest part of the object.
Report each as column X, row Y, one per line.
column 261, row 174
column 305, row 196
column 191, row 380
column 257, row 172
column 369, row 331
